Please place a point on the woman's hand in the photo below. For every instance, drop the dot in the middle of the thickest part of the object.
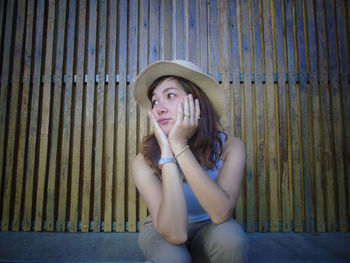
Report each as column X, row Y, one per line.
column 188, row 116
column 160, row 136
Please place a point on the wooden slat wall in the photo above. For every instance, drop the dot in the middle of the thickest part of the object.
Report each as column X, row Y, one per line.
column 69, row 128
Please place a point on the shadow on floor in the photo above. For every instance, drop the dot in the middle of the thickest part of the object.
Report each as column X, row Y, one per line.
column 123, row 247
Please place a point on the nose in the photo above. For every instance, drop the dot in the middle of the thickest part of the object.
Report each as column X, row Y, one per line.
column 160, row 107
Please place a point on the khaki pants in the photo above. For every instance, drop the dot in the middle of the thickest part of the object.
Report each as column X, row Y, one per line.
column 207, row 242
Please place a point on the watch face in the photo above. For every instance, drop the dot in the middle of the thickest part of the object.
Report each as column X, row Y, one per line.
column 166, row 160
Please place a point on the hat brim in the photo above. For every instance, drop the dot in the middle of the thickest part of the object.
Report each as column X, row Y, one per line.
column 177, row 68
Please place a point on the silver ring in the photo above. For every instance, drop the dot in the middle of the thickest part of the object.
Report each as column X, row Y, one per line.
column 187, row 115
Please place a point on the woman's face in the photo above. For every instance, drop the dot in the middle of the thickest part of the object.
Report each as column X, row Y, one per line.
column 165, row 99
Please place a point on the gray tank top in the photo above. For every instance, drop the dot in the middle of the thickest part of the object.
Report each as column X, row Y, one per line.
column 196, row 213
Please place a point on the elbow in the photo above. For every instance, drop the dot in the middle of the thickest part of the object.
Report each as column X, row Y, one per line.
column 223, row 213
column 174, row 235
column 220, row 218
column 177, row 239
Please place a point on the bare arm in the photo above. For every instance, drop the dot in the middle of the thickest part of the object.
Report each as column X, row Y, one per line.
column 165, row 199
column 217, row 198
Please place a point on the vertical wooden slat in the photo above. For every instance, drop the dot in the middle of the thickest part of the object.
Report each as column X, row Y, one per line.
column 66, row 119
column 271, row 99
column 260, row 115
column 165, row 29
column 225, row 69
column 10, row 171
column 235, row 64
column 45, row 118
column 344, row 59
column 237, row 91
column 23, row 121
column 203, row 36
column 316, row 156
column 336, row 117
column 155, row 29
column 5, row 87
column 132, row 114
column 214, row 35
column 2, row 21
column 294, row 112
column 34, row 115
column 154, row 37
column 327, row 159
column 179, row 47
column 77, row 105
column 110, row 116
column 305, row 115
column 282, row 117
column 55, row 119
column 191, row 35
column 98, row 114
column 143, row 58
column 88, row 119
column 121, row 139
column 248, row 114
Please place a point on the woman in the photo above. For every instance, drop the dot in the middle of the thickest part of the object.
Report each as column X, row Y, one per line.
column 188, row 172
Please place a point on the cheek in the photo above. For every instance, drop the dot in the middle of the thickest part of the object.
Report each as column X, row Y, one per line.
column 176, row 104
column 154, row 111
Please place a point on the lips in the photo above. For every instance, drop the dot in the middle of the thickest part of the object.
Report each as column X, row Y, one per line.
column 163, row 121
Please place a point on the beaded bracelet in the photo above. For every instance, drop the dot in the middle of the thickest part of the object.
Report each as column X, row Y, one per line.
column 182, row 151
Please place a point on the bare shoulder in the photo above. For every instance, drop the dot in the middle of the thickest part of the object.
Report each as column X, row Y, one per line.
column 139, row 160
column 234, row 148
column 140, row 166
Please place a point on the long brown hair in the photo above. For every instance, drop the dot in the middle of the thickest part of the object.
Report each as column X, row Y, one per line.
column 206, row 139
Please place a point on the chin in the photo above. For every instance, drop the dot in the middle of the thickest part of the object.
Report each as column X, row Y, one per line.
column 166, row 129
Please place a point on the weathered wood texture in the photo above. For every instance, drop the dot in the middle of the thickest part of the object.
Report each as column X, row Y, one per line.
column 69, row 128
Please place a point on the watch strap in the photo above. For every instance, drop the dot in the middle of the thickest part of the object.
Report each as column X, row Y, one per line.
column 163, row 161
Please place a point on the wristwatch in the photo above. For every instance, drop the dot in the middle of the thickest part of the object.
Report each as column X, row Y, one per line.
column 166, row 160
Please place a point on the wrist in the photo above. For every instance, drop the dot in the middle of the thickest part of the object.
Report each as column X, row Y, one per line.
column 177, row 144
column 178, row 147
column 163, row 161
column 166, row 153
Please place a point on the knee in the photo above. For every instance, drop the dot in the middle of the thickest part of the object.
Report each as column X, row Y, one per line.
column 156, row 249
column 229, row 246
column 170, row 253
column 238, row 245
column 230, row 250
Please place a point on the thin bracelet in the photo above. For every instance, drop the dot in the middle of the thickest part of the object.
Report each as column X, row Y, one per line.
column 182, row 151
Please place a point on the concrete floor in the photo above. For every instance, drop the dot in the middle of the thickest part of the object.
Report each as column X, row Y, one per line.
column 122, row 247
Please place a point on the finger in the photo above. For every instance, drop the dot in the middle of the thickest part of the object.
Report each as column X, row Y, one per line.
column 198, row 111
column 158, row 132
column 192, row 109
column 180, row 112
column 153, row 120
column 186, row 109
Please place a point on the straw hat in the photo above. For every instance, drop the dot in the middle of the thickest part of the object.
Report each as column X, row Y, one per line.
column 179, row 68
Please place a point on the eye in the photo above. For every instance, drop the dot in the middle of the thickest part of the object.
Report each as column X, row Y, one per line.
column 171, row 95
column 154, row 102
